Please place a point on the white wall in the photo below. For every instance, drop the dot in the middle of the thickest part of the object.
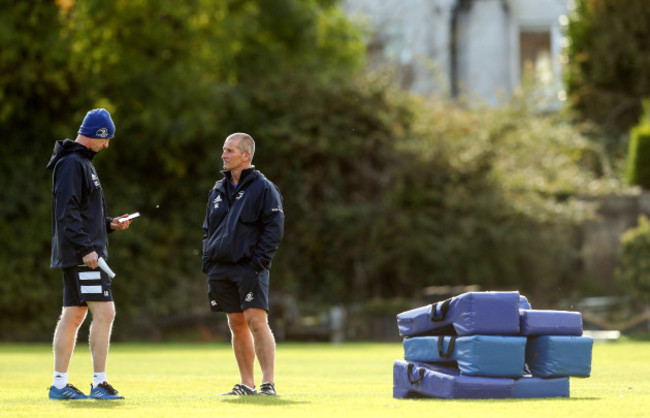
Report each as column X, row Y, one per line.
column 419, row 37
column 484, row 52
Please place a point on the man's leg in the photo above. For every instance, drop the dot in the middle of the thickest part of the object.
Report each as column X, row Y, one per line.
column 257, row 320
column 242, row 346
column 100, row 333
column 100, row 339
column 65, row 336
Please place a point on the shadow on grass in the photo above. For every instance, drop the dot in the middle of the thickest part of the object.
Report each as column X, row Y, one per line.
column 584, row 398
column 422, row 398
column 560, row 398
column 262, row 400
column 95, row 404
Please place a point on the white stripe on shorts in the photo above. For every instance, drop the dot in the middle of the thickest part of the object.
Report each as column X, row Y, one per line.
column 89, row 275
column 91, row 289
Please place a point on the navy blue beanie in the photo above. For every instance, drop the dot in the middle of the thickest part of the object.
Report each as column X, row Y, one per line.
column 97, row 124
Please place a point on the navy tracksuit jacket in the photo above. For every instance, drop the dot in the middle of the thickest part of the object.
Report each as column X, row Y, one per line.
column 242, row 224
column 79, row 222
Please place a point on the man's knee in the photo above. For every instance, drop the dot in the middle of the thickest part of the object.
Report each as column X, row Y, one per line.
column 257, row 320
column 73, row 316
column 237, row 323
column 102, row 311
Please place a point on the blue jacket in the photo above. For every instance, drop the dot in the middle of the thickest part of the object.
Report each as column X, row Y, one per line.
column 79, row 222
column 243, row 224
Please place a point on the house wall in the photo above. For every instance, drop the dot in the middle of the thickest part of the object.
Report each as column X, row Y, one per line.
column 416, row 35
column 468, row 47
column 483, row 52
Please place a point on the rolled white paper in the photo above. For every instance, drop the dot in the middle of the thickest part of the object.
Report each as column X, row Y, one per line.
column 104, row 266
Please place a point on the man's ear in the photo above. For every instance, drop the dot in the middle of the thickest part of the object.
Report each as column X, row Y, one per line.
column 247, row 156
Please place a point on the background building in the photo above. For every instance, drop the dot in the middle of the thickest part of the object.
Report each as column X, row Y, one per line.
column 483, row 49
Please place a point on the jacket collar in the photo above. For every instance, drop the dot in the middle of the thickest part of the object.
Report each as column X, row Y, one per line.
column 68, row 146
column 243, row 178
column 246, row 177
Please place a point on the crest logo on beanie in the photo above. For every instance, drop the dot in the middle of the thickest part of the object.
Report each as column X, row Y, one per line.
column 101, row 133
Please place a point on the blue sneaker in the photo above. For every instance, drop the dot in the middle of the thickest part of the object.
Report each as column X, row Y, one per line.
column 104, row 391
column 68, row 392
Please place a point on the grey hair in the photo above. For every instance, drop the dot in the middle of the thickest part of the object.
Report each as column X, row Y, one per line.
column 246, row 143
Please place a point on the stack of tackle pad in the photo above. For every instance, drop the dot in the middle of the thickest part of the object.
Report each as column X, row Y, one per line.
column 481, row 345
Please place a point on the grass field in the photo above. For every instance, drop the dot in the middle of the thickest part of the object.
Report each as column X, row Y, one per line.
column 313, row 380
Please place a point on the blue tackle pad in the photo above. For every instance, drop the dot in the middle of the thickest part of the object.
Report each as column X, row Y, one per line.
column 547, row 322
column 485, row 313
column 524, row 303
column 559, row 355
column 475, row 355
column 537, row 387
column 420, row 380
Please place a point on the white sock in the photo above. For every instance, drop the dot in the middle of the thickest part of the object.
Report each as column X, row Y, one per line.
column 59, row 380
column 99, row 378
column 251, row 388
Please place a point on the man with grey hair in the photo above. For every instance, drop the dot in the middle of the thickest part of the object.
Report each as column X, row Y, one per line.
column 243, row 226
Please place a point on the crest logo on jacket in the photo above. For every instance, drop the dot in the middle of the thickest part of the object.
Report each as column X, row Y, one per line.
column 95, row 179
column 216, row 201
column 239, row 195
column 249, row 297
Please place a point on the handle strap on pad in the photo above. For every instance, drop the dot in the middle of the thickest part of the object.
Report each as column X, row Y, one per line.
column 444, row 308
column 409, row 372
column 450, row 347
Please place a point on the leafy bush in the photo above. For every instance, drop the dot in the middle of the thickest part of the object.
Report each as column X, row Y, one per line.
column 634, row 271
column 486, row 197
column 638, row 161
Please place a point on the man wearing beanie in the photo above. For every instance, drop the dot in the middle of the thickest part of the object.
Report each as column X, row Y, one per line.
column 80, row 230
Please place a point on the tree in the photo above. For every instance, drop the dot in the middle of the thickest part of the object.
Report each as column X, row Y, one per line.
column 609, row 56
column 177, row 79
column 35, row 86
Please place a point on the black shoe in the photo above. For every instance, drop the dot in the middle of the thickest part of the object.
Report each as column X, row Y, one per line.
column 267, row 389
column 104, row 391
column 241, row 390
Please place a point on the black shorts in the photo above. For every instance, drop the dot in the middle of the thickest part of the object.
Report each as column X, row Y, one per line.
column 82, row 284
column 233, row 288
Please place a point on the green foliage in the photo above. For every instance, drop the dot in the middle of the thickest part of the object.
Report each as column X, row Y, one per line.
column 638, row 159
column 34, row 86
column 638, row 164
column 474, row 187
column 608, row 57
column 634, row 271
column 172, row 75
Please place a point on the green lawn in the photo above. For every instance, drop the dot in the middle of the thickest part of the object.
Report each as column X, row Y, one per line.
column 313, row 380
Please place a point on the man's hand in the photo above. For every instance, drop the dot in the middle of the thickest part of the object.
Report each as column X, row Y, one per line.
column 90, row 260
column 117, row 225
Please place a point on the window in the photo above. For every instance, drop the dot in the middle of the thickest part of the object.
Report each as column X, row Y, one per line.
column 535, row 56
